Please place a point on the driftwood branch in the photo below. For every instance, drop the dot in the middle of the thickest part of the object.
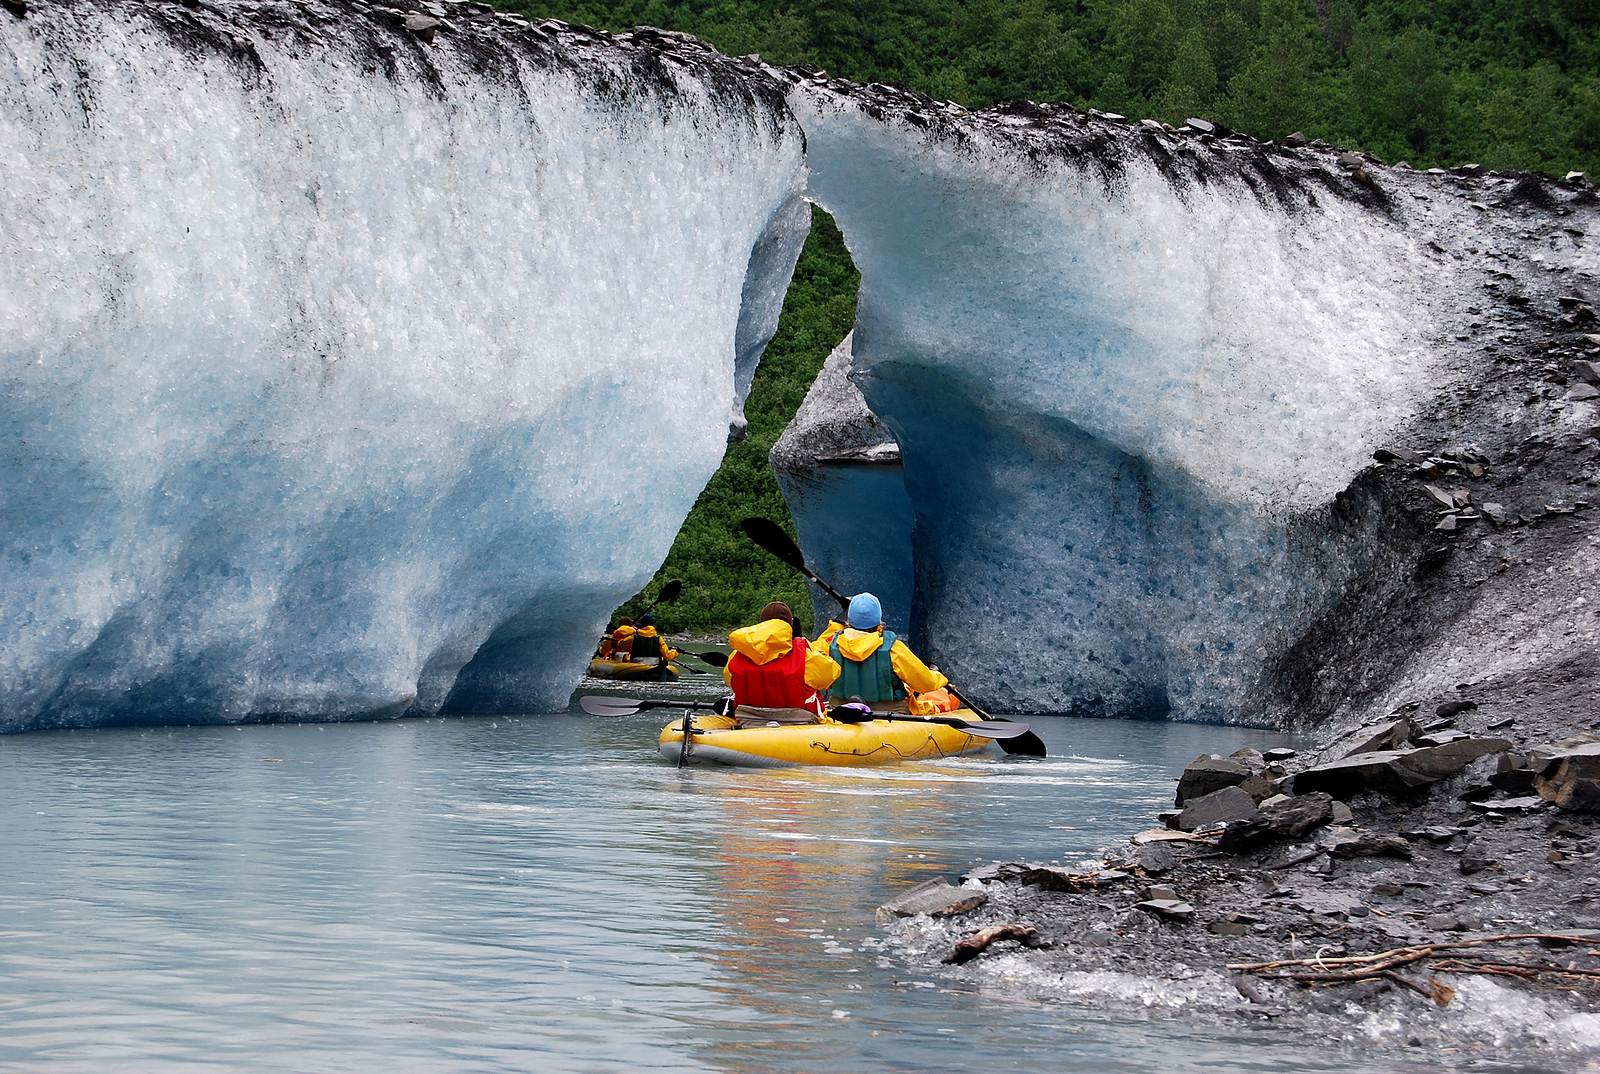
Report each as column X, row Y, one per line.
column 979, row 942
column 1383, row 965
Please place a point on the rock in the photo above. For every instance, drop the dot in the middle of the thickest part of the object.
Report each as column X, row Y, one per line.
column 1227, row 928
column 1342, row 814
column 1579, row 392
column 1474, row 861
column 1506, row 806
column 1382, row 772
column 1250, row 757
column 1209, row 773
column 1570, row 778
column 1290, row 820
column 1204, row 126
column 1276, row 800
column 936, row 898
column 1410, row 458
column 1160, row 892
column 1441, row 738
column 1577, row 177
column 1495, row 512
column 19, row 8
column 1375, row 738
column 1451, row 923
column 1440, row 762
column 1050, row 878
column 1008, row 872
column 1388, row 891
column 1440, row 497
column 1168, row 909
column 1295, row 140
column 1587, row 371
column 1372, row 845
column 1157, row 858
column 1228, row 805
column 1567, row 937
column 1279, row 755
column 1454, row 708
column 1260, row 787
column 1351, row 160
column 422, row 25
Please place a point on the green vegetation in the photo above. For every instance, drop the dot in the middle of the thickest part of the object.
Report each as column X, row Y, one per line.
column 1506, row 83
column 727, row 579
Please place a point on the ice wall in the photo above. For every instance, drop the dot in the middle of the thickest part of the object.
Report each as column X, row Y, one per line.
column 840, row 472
column 1130, row 371
column 340, row 340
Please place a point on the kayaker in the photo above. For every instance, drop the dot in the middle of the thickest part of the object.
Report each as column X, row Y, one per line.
column 649, row 646
column 874, row 665
column 621, row 640
column 775, row 674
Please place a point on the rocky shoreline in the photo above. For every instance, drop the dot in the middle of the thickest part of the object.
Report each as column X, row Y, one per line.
column 1428, row 881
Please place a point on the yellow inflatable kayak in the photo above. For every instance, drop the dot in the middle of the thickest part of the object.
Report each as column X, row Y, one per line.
column 718, row 739
column 600, row 668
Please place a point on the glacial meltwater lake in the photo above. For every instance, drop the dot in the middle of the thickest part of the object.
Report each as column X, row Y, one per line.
column 542, row 893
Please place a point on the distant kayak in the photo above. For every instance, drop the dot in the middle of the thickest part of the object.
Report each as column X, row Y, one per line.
column 600, row 668
column 719, row 740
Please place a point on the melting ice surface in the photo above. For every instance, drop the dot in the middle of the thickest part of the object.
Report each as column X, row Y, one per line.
column 1127, row 384
column 334, row 357
column 541, row 893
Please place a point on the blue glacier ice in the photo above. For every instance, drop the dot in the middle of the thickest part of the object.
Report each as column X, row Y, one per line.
column 840, row 473
column 1135, row 376
column 356, row 362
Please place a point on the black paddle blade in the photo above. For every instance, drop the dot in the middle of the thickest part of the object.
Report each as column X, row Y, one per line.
column 669, row 592
column 595, row 705
column 715, row 659
column 991, row 728
column 1024, row 745
column 769, row 535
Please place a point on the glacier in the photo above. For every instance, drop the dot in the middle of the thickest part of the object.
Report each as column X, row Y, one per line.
column 841, row 475
column 359, row 360
column 1137, row 377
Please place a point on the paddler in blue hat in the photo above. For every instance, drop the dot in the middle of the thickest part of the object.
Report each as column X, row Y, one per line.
column 874, row 665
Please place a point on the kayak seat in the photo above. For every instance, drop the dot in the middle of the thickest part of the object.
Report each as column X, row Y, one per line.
column 761, row 716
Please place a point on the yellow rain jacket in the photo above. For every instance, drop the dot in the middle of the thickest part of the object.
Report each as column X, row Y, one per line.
column 860, row 644
column 768, row 641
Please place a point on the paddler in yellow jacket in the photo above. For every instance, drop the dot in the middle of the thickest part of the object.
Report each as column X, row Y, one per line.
column 619, row 642
column 874, row 665
column 774, row 667
column 649, row 645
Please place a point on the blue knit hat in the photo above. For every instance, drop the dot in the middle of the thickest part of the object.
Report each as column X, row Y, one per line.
column 865, row 611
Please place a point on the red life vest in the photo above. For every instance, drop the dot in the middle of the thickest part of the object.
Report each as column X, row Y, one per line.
column 777, row 684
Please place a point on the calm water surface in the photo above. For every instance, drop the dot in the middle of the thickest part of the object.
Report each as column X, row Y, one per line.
column 540, row 893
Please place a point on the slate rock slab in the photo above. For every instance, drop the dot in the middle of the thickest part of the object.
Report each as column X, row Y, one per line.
column 1396, row 771
column 1289, row 819
column 1167, row 909
column 1208, row 774
column 1220, row 807
column 1571, row 778
column 936, row 898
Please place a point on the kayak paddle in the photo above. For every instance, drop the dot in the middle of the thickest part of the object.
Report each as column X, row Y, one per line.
column 599, row 705
column 668, row 594
column 987, row 728
column 770, row 536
